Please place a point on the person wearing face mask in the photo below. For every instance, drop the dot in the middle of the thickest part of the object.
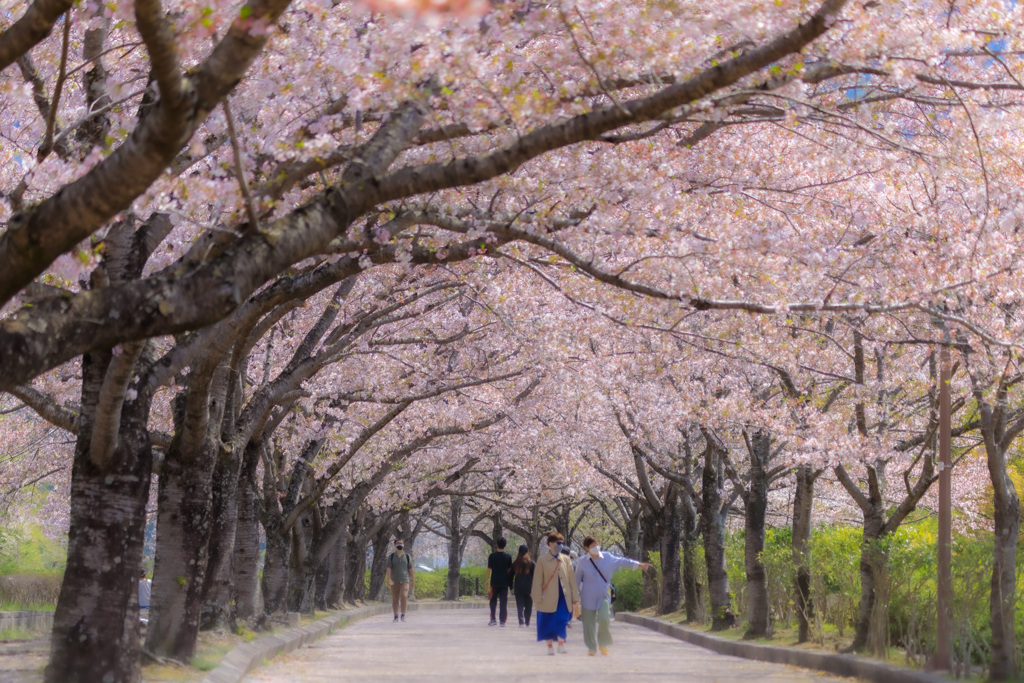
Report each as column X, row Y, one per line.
column 554, row 590
column 399, row 576
column 594, row 573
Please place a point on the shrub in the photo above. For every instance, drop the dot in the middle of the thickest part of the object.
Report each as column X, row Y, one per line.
column 26, row 549
column 431, row 585
column 835, row 576
column 629, row 589
column 29, row 591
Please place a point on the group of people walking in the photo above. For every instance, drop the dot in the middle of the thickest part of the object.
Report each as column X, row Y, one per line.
column 557, row 590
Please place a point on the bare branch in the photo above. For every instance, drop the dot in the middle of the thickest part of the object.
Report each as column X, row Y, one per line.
column 31, row 28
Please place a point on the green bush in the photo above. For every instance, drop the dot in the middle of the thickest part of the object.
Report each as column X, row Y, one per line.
column 835, row 576
column 907, row 588
column 431, row 585
column 471, row 582
column 629, row 589
column 781, row 571
column 26, row 549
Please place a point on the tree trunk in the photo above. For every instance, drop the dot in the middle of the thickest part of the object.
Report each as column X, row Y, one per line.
column 339, row 563
column 872, row 561
column 498, row 530
column 378, row 567
column 713, row 523
column 276, row 561
column 185, row 515
column 302, row 570
column 631, row 542
column 217, row 610
column 688, row 520
column 756, row 504
column 1004, row 568
column 451, row 590
column 803, row 501
column 323, row 577
column 245, row 564
column 671, row 579
column 182, row 536
column 355, row 570
column 96, row 623
column 650, row 540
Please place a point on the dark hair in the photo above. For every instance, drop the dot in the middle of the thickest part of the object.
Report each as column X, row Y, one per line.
column 501, row 543
column 589, row 541
column 555, row 537
column 523, row 563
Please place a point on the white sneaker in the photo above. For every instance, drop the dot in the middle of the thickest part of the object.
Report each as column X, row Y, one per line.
column 551, row 650
column 562, row 650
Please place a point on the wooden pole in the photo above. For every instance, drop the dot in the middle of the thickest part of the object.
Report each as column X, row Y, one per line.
column 944, row 603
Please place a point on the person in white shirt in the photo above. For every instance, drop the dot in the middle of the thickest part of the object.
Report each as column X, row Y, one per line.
column 145, row 593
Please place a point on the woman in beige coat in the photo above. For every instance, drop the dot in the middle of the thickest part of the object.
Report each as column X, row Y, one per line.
column 554, row 589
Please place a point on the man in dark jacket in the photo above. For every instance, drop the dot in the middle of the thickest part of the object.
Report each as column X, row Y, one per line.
column 499, row 569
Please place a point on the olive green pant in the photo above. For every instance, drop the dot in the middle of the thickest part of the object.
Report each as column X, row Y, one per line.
column 595, row 627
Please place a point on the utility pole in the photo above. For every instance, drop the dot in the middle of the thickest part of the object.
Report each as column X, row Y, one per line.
column 943, row 660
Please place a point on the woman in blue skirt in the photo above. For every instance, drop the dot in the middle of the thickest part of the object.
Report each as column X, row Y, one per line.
column 554, row 590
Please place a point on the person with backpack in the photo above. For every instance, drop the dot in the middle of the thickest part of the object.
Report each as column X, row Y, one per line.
column 594, row 575
column 399, row 577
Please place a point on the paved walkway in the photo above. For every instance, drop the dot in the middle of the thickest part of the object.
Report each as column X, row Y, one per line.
column 459, row 646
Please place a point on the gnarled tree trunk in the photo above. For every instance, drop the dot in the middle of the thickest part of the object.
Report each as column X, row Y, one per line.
column 276, row 562
column 671, row 579
column 713, row 482
column 338, row 561
column 355, row 571
column 649, row 539
column 1006, row 510
column 218, row 610
column 378, row 567
column 688, row 522
column 183, row 528
column 245, row 564
column 96, row 623
column 872, row 562
column 756, row 504
column 803, row 502
column 184, row 515
column 455, row 546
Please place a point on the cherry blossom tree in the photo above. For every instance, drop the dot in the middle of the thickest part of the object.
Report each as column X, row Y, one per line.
column 170, row 193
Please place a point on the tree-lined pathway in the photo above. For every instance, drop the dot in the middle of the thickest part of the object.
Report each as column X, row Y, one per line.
column 459, row 646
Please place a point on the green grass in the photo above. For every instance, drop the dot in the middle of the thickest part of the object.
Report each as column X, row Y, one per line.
column 18, row 634
column 27, row 607
column 207, row 663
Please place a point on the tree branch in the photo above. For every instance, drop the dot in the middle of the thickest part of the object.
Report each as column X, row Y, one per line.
column 30, row 29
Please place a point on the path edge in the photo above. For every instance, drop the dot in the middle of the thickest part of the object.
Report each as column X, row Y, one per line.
column 835, row 664
column 245, row 657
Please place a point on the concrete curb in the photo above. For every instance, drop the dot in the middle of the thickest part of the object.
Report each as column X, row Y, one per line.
column 836, row 664
column 244, row 658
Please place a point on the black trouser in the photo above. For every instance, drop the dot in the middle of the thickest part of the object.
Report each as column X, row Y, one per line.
column 500, row 594
column 524, row 605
